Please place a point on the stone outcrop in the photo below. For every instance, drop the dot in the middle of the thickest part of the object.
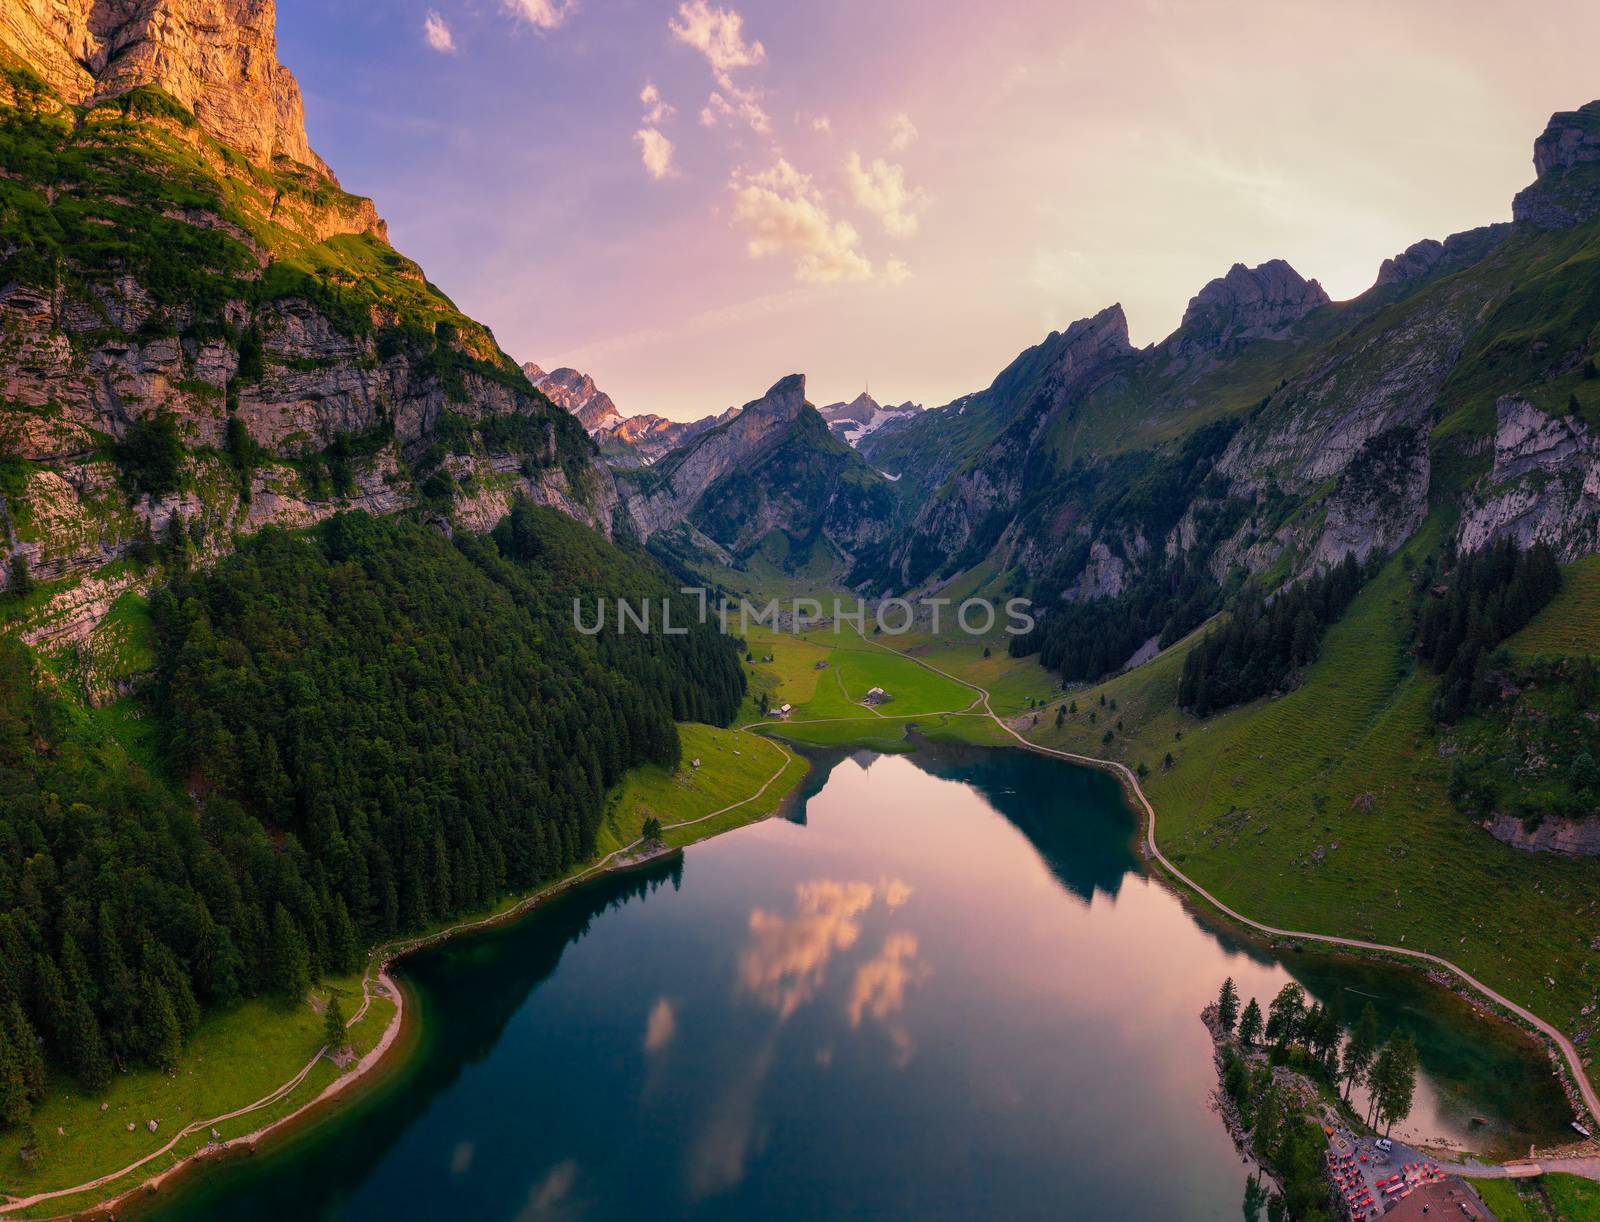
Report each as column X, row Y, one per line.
column 1248, row 303
column 1578, row 837
column 1544, row 486
column 1566, row 159
column 1429, row 257
column 219, row 58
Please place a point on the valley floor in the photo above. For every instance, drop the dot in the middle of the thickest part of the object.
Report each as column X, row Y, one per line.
column 1259, row 815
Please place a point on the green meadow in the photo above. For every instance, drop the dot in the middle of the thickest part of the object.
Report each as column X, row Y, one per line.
column 1556, row 1197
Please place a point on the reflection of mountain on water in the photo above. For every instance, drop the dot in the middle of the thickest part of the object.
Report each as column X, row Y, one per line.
column 1075, row 818
column 498, row 969
column 500, row 982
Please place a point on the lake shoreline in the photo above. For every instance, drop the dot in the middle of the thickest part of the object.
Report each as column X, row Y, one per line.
column 383, row 1055
column 402, row 1034
column 399, row 1040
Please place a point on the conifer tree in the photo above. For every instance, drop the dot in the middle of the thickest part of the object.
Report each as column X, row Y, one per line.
column 289, row 974
column 1228, row 1006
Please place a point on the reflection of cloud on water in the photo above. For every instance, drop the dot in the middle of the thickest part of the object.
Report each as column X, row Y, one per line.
column 722, row 1149
column 879, row 989
column 783, row 965
column 787, row 957
column 880, row 985
column 661, row 1026
column 546, row 1197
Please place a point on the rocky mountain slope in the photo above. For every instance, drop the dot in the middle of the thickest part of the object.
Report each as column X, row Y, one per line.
column 624, row 441
column 773, row 466
column 1454, row 384
column 864, row 415
column 202, row 333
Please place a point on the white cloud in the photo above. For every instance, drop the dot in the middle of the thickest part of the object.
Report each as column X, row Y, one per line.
column 437, row 34
column 656, row 152
column 881, row 189
column 731, row 103
column 718, row 34
column 895, row 271
column 902, row 132
column 822, row 124
column 542, row 14
column 656, row 109
column 784, row 213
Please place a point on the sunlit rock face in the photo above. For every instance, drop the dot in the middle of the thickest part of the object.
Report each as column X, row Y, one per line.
column 217, row 57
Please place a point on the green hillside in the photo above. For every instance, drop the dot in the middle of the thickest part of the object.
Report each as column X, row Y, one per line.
column 1327, row 809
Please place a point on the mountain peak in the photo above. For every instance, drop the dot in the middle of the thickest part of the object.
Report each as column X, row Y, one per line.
column 1566, row 160
column 576, row 392
column 219, row 58
column 785, row 399
column 1247, row 303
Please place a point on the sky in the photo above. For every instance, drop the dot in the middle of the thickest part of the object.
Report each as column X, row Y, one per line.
column 689, row 200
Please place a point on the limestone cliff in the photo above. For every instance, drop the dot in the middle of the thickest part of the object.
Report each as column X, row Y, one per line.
column 1247, row 303
column 218, row 58
column 196, row 343
column 1566, row 159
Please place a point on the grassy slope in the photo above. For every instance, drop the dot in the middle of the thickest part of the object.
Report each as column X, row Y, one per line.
column 1261, row 807
column 1550, row 1198
column 234, row 1059
column 733, row 765
column 1570, row 625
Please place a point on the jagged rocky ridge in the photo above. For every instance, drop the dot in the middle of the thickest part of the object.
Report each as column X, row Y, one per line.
column 1466, row 353
column 624, row 441
column 773, row 466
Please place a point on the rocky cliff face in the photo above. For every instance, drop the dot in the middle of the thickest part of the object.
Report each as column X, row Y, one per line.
column 670, row 490
column 1544, row 486
column 248, row 321
column 973, row 504
column 218, row 58
column 1566, row 158
column 772, row 466
column 1248, row 303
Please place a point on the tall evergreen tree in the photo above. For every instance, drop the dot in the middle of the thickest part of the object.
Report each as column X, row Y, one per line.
column 1250, row 1023
column 335, row 1036
column 289, row 973
column 1228, row 1006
